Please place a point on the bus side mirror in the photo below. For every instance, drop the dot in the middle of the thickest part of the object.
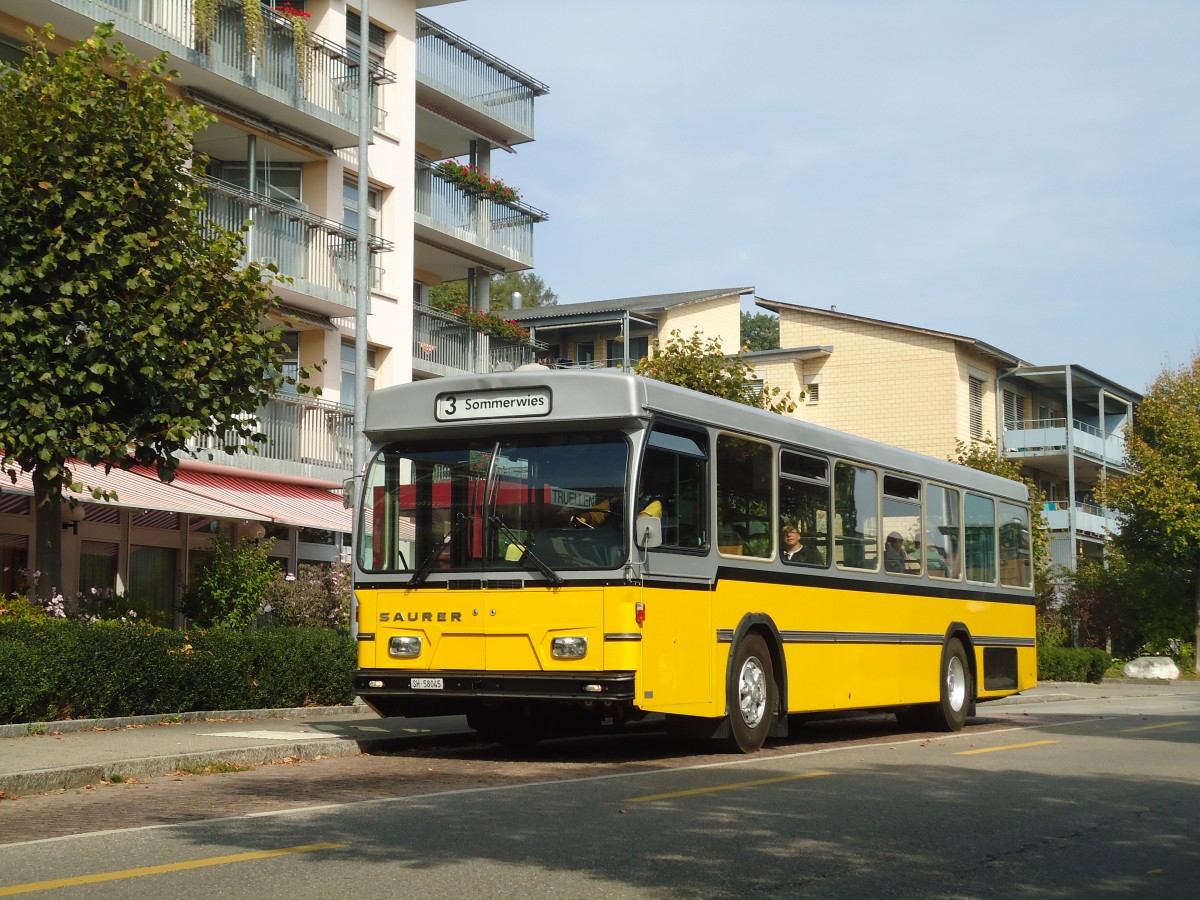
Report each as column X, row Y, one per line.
column 648, row 532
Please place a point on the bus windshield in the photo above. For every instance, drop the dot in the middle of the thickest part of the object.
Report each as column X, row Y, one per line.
column 542, row 503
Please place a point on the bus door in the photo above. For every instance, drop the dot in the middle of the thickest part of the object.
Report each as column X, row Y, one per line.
column 678, row 636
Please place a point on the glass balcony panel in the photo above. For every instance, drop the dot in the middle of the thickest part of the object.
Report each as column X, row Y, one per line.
column 330, row 84
column 444, row 345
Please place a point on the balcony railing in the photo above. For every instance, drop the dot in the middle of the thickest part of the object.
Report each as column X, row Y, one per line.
column 1047, row 436
column 474, row 77
column 1089, row 518
column 443, row 345
column 502, row 228
column 300, row 430
column 331, row 80
column 317, row 254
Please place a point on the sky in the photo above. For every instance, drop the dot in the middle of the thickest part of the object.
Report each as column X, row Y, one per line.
column 1024, row 173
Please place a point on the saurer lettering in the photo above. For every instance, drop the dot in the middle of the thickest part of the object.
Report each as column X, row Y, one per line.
column 421, row 617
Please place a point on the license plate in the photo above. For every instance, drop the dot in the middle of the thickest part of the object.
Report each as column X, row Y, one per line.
column 425, row 684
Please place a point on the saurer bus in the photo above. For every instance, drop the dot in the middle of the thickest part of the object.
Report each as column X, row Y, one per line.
column 542, row 550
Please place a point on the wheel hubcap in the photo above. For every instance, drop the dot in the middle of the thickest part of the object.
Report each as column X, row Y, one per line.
column 956, row 684
column 752, row 692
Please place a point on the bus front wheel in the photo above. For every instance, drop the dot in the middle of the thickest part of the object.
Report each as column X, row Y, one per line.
column 752, row 697
column 954, row 692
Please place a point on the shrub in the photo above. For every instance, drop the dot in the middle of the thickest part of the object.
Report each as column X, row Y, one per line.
column 62, row 668
column 1072, row 664
column 318, row 596
column 229, row 589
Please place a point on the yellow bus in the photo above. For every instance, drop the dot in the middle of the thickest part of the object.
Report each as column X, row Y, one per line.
column 542, row 550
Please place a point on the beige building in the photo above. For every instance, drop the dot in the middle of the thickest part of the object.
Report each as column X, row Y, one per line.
column 283, row 153
column 929, row 390
column 605, row 333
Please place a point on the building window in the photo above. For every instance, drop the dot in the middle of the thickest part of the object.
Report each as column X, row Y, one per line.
column 377, row 38
column 585, row 353
column 14, row 560
column 12, row 54
column 639, row 348
column 347, row 386
column 153, row 575
column 976, row 398
column 350, row 206
column 1014, row 410
column 97, row 566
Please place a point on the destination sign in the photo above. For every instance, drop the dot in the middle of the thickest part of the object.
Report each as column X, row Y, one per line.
column 510, row 403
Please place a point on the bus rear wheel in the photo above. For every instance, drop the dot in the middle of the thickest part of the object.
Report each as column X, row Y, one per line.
column 753, row 696
column 954, row 703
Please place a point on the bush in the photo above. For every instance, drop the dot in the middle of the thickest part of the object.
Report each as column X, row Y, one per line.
column 62, row 669
column 1072, row 664
column 231, row 586
column 318, row 596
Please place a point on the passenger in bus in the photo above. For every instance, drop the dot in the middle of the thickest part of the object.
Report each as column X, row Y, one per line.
column 796, row 548
column 894, row 557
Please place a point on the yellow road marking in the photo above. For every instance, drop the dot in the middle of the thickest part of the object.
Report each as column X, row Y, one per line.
column 725, row 787
column 34, row 886
column 1007, row 747
column 1152, row 727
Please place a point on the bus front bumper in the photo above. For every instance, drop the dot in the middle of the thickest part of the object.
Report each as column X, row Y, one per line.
column 431, row 686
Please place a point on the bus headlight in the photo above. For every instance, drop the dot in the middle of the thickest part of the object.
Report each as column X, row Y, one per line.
column 405, row 646
column 568, row 647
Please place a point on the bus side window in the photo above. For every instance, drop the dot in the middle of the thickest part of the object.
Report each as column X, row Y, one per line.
column 979, row 515
column 856, row 517
column 804, row 505
column 745, row 472
column 673, row 485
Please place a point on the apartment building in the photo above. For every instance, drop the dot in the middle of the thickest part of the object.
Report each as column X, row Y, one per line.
column 283, row 155
column 927, row 390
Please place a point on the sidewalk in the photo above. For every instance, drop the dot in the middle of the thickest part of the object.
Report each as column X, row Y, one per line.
column 49, row 756
column 60, row 755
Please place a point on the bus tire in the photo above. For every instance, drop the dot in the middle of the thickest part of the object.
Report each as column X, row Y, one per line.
column 752, row 695
column 954, row 689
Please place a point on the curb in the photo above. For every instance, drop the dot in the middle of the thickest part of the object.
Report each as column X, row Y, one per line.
column 67, row 726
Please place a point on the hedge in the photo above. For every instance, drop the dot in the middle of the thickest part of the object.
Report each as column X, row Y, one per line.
column 1072, row 664
column 64, row 669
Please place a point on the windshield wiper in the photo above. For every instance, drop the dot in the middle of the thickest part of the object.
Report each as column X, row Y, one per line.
column 428, row 563
column 527, row 551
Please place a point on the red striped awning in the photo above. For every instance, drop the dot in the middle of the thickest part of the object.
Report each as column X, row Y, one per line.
column 286, row 504
column 139, row 490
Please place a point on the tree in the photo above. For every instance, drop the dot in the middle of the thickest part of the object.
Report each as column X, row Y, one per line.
column 127, row 324
column 701, row 365
column 760, row 331
column 985, row 456
column 451, row 294
column 1158, row 501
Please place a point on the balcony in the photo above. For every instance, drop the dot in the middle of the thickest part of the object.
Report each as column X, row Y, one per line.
column 1048, row 437
column 443, row 345
column 317, row 254
column 464, row 91
column 306, row 437
column 456, row 229
column 323, row 105
column 1089, row 519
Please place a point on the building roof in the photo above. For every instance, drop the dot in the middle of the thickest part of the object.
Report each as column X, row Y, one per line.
column 651, row 303
column 985, row 348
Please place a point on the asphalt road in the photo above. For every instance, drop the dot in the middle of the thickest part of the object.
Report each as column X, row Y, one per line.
column 1077, row 798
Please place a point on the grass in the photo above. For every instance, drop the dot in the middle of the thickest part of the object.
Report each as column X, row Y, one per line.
column 211, row 768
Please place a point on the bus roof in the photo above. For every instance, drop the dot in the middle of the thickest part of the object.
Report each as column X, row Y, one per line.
column 611, row 398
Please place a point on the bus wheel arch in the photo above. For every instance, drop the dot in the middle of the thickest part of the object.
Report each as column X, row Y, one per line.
column 756, row 685
column 956, row 681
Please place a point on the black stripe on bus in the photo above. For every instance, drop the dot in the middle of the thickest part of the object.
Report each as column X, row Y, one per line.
column 834, row 580
column 725, row 636
column 623, row 636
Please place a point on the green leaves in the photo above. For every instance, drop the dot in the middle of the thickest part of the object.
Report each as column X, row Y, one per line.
column 125, row 320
